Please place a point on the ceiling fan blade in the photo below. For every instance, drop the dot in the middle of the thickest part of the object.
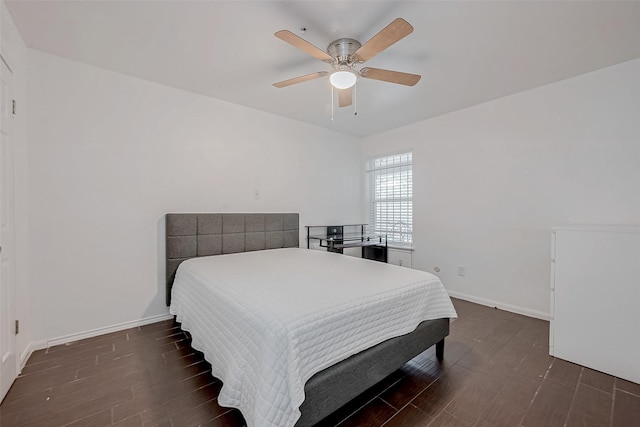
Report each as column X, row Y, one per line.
column 389, row 35
column 301, row 79
column 390, row 76
column 303, row 45
column 345, row 97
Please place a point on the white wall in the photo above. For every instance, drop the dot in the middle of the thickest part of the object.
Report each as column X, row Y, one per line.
column 109, row 155
column 491, row 180
column 14, row 53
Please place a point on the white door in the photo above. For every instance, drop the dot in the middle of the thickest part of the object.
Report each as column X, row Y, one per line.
column 8, row 364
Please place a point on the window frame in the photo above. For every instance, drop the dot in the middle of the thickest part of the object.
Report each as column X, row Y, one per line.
column 398, row 193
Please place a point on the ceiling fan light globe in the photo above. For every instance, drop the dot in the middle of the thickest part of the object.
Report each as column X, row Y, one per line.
column 343, row 79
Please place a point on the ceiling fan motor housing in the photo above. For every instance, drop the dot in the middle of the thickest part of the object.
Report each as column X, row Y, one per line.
column 342, row 50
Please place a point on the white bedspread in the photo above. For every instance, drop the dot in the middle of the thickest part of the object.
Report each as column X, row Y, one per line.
column 269, row 320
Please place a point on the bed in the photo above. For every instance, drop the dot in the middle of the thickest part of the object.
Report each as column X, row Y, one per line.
column 299, row 333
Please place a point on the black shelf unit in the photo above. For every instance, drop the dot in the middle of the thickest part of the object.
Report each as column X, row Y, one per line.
column 336, row 238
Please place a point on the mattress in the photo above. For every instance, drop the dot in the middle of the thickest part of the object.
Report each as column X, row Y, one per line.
column 269, row 320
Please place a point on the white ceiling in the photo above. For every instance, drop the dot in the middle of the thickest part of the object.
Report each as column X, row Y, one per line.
column 467, row 52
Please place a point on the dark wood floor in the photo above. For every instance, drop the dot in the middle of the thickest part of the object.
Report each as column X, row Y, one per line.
column 496, row 372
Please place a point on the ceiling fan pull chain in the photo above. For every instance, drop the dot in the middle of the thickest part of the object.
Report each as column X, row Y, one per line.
column 355, row 99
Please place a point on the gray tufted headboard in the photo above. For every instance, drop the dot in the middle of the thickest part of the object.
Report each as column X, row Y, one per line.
column 190, row 235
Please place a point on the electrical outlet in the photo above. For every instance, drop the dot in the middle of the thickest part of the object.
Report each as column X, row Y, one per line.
column 461, row 271
column 256, row 194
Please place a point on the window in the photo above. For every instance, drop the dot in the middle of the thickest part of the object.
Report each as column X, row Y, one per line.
column 389, row 189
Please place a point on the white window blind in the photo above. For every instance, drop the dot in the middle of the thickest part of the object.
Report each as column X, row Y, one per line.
column 389, row 182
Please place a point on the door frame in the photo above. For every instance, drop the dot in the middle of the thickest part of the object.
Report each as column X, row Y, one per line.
column 8, row 372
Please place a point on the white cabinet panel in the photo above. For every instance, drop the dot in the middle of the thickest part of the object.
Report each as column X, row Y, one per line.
column 595, row 298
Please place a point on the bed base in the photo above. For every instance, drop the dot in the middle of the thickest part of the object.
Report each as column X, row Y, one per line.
column 332, row 388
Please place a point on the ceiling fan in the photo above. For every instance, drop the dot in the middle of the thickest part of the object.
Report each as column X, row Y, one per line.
column 345, row 54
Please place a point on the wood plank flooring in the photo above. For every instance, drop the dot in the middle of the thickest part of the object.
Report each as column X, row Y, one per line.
column 496, row 372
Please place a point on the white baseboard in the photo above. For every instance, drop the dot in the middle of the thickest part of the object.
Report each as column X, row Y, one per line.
column 108, row 329
column 31, row 347
column 502, row 306
column 39, row 345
